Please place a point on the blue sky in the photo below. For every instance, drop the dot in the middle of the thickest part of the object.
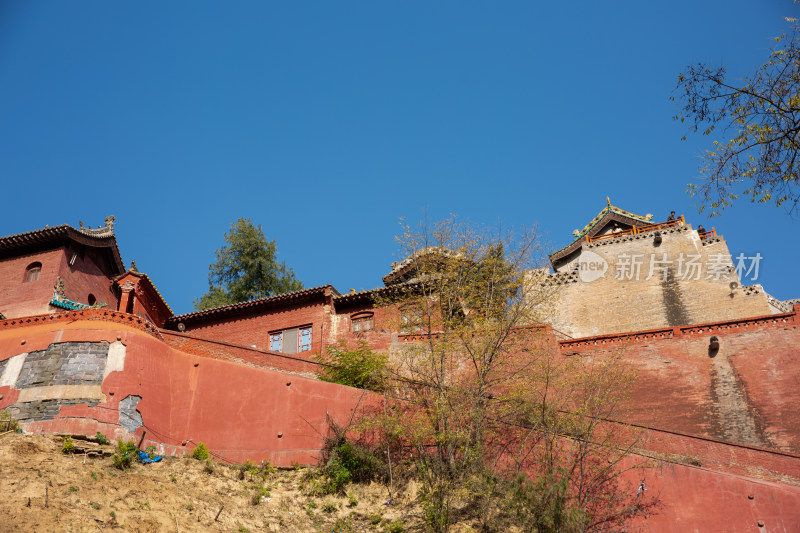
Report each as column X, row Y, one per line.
column 326, row 122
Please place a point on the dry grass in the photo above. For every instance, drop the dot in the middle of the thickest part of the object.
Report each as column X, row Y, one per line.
column 42, row 490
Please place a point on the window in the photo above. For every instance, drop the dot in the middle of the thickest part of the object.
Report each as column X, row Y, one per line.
column 410, row 319
column 33, row 271
column 361, row 322
column 276, row 341
column 291, row 340
column 305, row 339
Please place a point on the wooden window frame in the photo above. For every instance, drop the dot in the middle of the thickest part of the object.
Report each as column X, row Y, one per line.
column 359, row 320
column 32, row 272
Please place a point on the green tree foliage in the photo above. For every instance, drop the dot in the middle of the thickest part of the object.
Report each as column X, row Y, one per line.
column 760, row 117
column 356, row 367
column 247, row 268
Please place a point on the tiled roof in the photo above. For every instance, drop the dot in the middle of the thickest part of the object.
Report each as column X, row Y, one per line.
column 150, row 281
column 70, row 305
column 93, row 238
column 607, row 210
column 371, row 293
column 253, row 304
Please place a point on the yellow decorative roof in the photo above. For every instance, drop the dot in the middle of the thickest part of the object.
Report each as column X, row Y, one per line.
column 613, row 209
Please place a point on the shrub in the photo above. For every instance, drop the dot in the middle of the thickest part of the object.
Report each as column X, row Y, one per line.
column 102, row 439
column 7, row 422
column 68, row 447
column 124, row 455
column 351, row 500
column 200, row 452
column 358, row 367
column 342, row 525
column 398, row 526
column 347, row 463
column 150, row 451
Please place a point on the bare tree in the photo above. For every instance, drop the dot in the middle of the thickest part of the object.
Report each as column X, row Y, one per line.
column 489, row 407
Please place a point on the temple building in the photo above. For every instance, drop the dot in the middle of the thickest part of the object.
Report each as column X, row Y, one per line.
column 88, row 345
column 625, row 272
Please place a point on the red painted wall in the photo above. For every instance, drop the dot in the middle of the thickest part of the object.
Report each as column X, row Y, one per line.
column 240, row 412
column 19, row 298
column 84, row 277
column 254, row 329
column 676, row 389
column 243, row 412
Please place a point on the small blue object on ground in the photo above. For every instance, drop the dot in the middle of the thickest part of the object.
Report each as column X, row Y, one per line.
column 144, row 458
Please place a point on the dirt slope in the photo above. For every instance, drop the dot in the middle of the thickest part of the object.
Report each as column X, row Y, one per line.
column 42, row 490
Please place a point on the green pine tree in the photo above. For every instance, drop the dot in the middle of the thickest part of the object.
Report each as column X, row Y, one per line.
column 247, row 268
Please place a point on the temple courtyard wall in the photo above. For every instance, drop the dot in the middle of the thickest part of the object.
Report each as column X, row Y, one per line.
column 98, row 370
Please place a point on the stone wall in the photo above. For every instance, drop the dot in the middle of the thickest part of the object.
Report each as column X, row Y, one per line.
column 68, row 373
column 633, row 283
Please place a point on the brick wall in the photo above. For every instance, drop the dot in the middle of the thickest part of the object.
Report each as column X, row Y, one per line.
column 19, row 298
column 611, row 305
column 253, row 329
column 385, row 321
column 83, row 278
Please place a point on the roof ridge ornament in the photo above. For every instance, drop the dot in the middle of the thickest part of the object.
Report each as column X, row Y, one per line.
column 106, row 230
column 59, row 292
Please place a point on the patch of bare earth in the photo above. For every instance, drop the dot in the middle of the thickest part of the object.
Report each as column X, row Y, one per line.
column 43, row 490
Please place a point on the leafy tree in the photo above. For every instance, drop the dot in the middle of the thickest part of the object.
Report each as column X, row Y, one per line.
column 353, row 366
column 247, row 268
column 762, row 116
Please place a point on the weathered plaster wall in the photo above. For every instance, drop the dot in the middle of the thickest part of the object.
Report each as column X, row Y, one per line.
column 246, row 411
column 239, row 411
column 698, row 500
column 610, row 305
column 745, row 392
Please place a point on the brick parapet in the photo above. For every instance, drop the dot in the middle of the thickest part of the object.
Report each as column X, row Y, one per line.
column 647, row 235
column 84, row 314
column 237, row 353
column 744, row 324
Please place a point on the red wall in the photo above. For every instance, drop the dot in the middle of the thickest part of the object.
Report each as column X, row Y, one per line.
column 676, row 389
column 385, row 322
column 20, row 298
column 239, row 411
column 244, row 412
column 254, row 330
column 84, row 277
